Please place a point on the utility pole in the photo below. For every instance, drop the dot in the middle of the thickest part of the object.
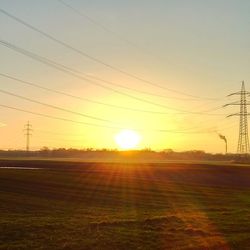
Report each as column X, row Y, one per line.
column 243, row 142
column 28, row 133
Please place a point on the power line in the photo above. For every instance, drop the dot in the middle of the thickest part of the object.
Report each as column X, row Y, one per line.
column 102, row 126
column 81, row 98
column 77, row 97
column 100, row 25
column 139, row 91
column 108, row 30
column 70, row 71
column 55, row 107
column 224, row 127
column 105, row 28
column 59, row 118
column 76, row 73
column 86, row 55
column 69, row 111
column 62, row 109
column 58, row 133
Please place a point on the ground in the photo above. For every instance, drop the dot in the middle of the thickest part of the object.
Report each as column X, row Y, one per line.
column 71, row 205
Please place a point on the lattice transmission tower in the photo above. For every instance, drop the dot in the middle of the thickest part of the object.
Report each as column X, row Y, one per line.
column 28, row 133
column 243, row 142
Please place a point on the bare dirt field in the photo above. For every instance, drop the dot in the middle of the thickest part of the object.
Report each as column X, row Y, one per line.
column 72, row 205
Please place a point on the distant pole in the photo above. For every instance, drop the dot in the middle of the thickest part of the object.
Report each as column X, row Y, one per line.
column 28, row 134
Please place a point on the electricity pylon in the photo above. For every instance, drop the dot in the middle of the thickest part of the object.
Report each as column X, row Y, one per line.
column 243, row 142
column 28, row 130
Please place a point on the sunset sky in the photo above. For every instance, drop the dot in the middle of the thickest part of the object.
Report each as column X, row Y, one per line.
column 188, row 54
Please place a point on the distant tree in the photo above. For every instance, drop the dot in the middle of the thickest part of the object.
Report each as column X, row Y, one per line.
column 168, row 150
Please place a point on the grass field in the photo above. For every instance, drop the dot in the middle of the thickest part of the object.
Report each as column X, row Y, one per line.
column 70, row 205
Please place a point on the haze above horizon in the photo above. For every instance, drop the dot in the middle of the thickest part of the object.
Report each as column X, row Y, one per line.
column 83, row 71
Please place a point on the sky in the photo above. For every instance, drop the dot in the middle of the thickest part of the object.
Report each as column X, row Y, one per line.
column 175, row 62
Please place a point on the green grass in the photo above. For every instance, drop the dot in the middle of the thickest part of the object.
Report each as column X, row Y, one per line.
column 74, row 205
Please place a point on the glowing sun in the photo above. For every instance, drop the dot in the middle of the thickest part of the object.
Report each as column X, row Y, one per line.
column 127, row 139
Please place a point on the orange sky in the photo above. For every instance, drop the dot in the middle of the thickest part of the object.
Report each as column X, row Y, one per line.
column 197, row 48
